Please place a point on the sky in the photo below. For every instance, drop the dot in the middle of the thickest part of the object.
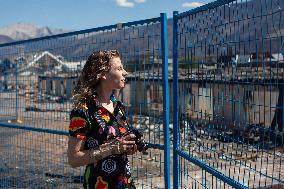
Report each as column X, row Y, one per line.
column 85, row 14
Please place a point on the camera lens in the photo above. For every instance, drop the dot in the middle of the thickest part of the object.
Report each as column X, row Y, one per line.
column 142, row 146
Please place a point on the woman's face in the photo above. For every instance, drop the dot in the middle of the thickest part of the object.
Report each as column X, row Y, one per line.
column 115, row 78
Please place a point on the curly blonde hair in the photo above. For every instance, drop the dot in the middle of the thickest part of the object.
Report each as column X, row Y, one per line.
column 97, row 63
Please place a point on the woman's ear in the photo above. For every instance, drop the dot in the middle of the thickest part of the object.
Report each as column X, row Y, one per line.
column 103, row 76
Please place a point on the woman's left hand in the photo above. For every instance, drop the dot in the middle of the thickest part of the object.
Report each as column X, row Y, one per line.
column 130, row 148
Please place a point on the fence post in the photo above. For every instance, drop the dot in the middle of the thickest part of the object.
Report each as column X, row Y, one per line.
column 17, row 90
column 164, row 44
column 175, row 104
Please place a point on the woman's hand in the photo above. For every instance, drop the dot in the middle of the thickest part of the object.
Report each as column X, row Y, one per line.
column 127, row 144
column 77, row 156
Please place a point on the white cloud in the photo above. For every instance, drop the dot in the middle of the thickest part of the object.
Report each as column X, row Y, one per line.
column 124, row 3
column 192, row 4
column 140, row 1
column 127, row 3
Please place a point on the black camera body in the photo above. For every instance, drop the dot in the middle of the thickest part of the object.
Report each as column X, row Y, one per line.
column 142, row 146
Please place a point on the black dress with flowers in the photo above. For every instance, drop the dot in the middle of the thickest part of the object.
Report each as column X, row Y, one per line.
column 95, row 125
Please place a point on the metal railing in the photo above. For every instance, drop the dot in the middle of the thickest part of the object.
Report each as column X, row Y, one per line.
column 228, row 99
column 218, row 85
column 37, row 83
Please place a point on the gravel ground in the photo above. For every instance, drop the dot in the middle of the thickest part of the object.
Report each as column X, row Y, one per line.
column 38, row 160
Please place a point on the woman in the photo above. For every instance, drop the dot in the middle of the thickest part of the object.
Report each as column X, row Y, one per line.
column 98, row 129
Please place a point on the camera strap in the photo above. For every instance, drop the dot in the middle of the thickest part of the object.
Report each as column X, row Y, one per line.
column 123, row 117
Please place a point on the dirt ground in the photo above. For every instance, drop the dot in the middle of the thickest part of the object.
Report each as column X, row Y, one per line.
column 38, row 160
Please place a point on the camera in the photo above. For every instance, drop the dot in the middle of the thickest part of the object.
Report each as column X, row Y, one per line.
column 142, row 146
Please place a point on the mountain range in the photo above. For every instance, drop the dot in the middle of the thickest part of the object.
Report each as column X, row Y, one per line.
column 5, row 39
column 238, row 28
column 23, row 31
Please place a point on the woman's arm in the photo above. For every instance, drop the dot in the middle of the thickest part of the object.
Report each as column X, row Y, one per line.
column 79, row 157
column 76, row 155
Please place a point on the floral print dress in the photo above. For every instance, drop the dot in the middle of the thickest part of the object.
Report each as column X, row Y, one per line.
column 96, row 125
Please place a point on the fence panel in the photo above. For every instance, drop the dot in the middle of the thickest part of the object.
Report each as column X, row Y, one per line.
column 36, row 90
column 228, row 109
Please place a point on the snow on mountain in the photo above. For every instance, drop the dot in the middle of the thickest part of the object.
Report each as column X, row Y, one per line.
column 22, row 31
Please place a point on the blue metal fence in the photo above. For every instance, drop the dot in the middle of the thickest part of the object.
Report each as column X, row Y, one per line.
column 38, row 79
column 225, row 95
column 228, row 95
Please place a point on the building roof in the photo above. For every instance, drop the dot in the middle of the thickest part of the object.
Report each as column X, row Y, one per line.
column 62, row 64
